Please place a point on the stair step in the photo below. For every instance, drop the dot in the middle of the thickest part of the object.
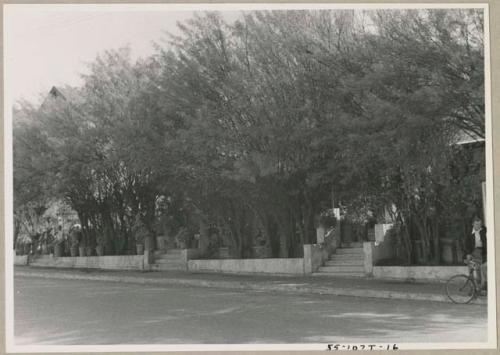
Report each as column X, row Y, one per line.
column 344, row 263
column 349, row 251
column 168, row 267
column 347, row 269
column 40, row 263
column 42, row 260
column 347, row 256
column 168, row 261
column 339, row 274
column 174, row 251
column 351, row 245
column 342, row 268
column 168, row 252
column 167, row 256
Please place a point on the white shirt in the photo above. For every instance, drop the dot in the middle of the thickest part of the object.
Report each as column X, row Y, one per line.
column 477, row 235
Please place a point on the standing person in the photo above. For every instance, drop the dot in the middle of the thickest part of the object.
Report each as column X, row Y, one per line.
column 66, row 243
column 196, row 241
column 475, row 247
column 50, row 240
column 36, row 243
column 76, row 234
column 58, row 242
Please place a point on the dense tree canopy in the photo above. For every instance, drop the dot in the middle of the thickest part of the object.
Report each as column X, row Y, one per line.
column 250, row 127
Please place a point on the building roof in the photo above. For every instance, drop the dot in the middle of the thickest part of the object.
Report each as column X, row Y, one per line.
column 466, row 137
column 56, row 93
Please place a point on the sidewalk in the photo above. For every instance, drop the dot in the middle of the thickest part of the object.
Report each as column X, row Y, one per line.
column 354, row 287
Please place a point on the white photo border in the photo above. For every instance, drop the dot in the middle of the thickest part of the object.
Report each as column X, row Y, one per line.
column 9, row 9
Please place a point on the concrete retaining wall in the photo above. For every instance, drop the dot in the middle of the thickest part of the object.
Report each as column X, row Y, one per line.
column 20, row 259
column 112, row 262
column 375, row 251
column 250, row 266
column 419, row 273
column 188, row 254
column 314, row 257
column 384, row 250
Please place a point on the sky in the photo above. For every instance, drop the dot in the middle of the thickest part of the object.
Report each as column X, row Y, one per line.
column 47, row 47
column 51, row 45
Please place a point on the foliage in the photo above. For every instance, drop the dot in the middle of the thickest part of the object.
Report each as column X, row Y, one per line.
column 327, row 219
column 139, row 230
column 255, row 124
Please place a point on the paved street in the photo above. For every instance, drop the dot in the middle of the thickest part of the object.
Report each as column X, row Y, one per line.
column 51, row 311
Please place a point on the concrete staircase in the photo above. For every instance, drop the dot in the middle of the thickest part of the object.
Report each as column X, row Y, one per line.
column 42, row 260
column 347, row 261
column 171, row 260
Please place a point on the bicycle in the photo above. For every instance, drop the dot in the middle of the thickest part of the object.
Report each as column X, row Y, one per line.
column 464, row 288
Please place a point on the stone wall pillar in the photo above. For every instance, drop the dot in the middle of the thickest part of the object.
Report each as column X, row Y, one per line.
column 148, row 259
column 149, row 243
column 380, row 230
column 368, row 257
column 161, row 243
column 320, row 234
column 336, row 237
column 188, row 254
column 308, row 260
column 204, row 240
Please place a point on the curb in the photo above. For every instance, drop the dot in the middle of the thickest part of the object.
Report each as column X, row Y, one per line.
column 297, row 289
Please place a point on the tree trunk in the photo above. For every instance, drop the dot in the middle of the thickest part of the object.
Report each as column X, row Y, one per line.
column 273, row 235
column 436, row 242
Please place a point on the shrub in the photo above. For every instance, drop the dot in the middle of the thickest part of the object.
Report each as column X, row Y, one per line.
column 139, row 230
column 327, row 219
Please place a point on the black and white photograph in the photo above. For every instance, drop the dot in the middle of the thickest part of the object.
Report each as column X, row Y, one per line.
column 248, row 177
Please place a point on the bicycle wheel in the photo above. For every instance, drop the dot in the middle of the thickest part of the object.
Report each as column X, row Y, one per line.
column 460, row 289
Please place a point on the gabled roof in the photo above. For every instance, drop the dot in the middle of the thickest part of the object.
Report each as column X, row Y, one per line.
column 67, row 94
column 465, row 137
column 56, row 93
